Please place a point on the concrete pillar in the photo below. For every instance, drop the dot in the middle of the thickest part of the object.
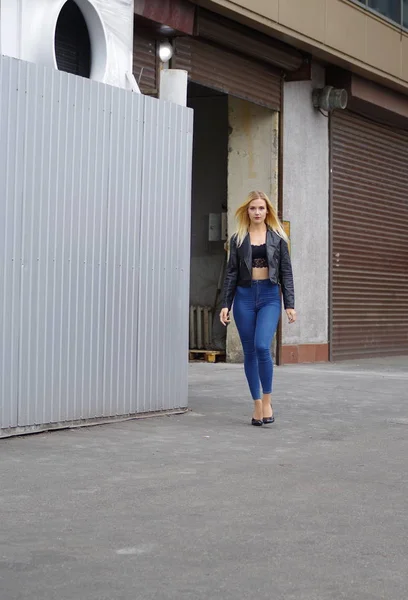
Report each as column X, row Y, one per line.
column 306, row 206
column 173, row 86
column 252, row 164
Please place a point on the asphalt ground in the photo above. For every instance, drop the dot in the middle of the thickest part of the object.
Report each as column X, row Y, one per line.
column 205, row 506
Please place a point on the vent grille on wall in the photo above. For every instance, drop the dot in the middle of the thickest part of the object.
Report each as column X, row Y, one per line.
column 72, row 42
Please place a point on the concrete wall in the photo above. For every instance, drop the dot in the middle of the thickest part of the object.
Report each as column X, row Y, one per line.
column 210, row 164
column 252, row 164
column 306, row 206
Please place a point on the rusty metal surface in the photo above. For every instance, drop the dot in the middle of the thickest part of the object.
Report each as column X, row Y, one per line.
column 369, row 262
column 145, row 60
column 177, row 14
column 247, row 41
column 228, row 72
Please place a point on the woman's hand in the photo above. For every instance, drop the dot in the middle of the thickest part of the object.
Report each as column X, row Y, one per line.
column 224, row 316
column 291, row 314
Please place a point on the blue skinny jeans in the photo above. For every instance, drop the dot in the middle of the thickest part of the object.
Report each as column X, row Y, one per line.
column 256, row 312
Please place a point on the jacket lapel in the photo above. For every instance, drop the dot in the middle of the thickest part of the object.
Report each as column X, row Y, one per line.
column 246, row 246
column 271, row 243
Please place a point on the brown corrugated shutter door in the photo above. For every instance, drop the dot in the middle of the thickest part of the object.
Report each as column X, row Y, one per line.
column 224, row 32
column 228, row 72
column 145, row 61
column 369, row 239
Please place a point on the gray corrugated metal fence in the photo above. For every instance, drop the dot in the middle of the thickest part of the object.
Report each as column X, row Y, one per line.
column 94, row 249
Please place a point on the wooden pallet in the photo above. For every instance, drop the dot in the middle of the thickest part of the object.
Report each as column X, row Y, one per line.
column 210, row 356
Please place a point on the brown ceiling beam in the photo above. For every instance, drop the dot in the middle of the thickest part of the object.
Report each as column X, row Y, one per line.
column 173, row 15
column 371, row 99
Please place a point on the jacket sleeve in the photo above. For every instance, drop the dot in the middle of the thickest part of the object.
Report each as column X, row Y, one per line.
column 231, row 275
column 286, row 276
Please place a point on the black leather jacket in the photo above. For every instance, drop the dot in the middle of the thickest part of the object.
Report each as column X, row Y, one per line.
column 239, row 268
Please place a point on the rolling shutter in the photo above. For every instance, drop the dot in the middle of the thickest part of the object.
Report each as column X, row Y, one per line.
column 145, row 60
column 369, row 263
column 228, row 33
column 229, row 72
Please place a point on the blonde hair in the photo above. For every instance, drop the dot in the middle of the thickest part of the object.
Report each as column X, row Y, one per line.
column 272, row 220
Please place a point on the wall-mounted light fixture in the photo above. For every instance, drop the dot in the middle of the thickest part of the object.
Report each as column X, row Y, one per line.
column 165, row 51
column 329, row 98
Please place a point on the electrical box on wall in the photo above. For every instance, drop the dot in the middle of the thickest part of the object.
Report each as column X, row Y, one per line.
column 217, row 227
column 224, row 226
column 214, row 227
column 92, row 38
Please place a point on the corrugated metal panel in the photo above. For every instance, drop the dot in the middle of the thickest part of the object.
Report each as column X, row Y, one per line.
column 228, row 72
column 145, row 61
column 247, row 41
column 94, row 205
column 369, row 238
column 122, row 254
column 165, row 243
column 12, row 102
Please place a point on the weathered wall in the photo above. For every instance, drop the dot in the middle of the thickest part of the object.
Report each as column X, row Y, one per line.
column 306, row 206
column 210, row 163
column 252, row 164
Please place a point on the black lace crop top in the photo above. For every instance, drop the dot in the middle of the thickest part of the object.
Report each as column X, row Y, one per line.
column 259, row 259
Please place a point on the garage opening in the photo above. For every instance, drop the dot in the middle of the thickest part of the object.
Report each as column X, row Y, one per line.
column 208, row 215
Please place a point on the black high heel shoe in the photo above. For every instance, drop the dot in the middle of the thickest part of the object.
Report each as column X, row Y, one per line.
column 257, row 422
column 268, row 420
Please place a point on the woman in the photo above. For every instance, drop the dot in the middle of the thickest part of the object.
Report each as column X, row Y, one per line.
column 259, row 261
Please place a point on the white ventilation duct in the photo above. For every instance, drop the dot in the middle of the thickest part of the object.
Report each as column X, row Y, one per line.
column 27, row 31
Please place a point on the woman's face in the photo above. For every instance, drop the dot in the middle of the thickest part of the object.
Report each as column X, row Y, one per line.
column 257, row 211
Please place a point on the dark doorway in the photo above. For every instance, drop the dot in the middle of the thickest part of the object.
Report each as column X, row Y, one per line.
column 209, row 204
column 72, row 41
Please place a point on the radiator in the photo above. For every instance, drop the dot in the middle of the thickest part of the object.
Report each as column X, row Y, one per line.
column 200, row 327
